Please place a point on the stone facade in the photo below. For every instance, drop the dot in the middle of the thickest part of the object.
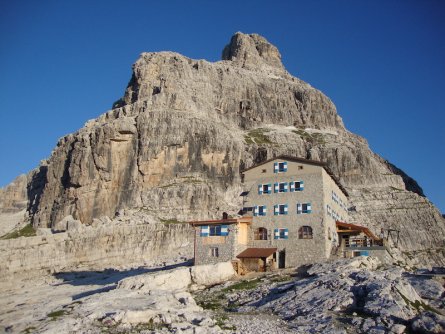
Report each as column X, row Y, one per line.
column 231, row 239
column 304, row 232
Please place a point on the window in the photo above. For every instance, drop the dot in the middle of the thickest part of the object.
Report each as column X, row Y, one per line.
column 281, row 233
column 300, row 167
column 264, row 171
column 280, row 167
column 214, row 230
column 280, row 209
column 214, row 252
column 335, row 197
column 260, row 210
column 280, row 187
column 296, row 186
column 264, row 188
column 304, row 208
column 305, row 232
column 260, row 234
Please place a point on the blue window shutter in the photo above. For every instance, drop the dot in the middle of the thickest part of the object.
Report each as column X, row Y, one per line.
column 260, row 189
column 285, row 166
column 299, row 209
column 276, row 234
column 205, row 231
column 224, row 230
column 285, row 209
column 275, row 187
column 269, row 188
column 286, row 233
column 264, row 210
column 286, row 187
column 301, row 185
column 255, row 210
column 292, row 186
column 309, row 208
column 275, row 167
column 275, row 210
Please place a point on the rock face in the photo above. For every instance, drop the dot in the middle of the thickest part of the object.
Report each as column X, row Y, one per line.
column 14, row 196
column 108, row 245
column 176, row 141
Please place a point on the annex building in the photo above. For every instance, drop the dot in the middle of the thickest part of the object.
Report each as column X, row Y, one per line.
column 291, row 207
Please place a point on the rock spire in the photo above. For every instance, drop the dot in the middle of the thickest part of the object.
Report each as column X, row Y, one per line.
column 252, row 51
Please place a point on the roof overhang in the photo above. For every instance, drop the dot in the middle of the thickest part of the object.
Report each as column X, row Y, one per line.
column 352, row 228
column 241, row 220
column 256, row 253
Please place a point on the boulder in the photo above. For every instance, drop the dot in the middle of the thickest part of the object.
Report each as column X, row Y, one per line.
column 67, row 223
column 212, row 274
column 171, row 280
column 398, row 329
column 43, row 231
column 428, row 323
column 426, row 287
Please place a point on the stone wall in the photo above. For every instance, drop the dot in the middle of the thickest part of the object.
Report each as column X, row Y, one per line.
column 298, row 251
column 224, row 244
column 106, row 246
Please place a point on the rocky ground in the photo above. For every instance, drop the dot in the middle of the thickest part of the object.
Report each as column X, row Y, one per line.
column 342, row 296
column 96, row 302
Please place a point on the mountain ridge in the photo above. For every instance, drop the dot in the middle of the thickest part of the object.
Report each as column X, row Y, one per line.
column 175, row 142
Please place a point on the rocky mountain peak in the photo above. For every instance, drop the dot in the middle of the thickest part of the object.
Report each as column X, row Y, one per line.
column 252, row 50
column 175, row 143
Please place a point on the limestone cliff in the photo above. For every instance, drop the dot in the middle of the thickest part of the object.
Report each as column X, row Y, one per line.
column 14, row 196
column 176, row 141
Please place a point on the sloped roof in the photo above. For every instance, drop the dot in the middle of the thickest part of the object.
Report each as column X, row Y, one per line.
column 228, row 221
column 304, row 161
column 256, row 253
column 353, row 227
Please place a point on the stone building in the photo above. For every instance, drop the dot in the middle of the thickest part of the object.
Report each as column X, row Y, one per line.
column 295, row 212
column 220, row 240
column 295, row 204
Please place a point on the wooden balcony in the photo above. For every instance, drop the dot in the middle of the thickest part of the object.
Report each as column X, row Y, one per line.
column 354, row 242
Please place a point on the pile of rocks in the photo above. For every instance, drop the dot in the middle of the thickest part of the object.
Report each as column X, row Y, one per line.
column 350, row 296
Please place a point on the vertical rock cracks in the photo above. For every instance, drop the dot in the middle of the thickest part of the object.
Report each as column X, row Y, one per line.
column 176, row 141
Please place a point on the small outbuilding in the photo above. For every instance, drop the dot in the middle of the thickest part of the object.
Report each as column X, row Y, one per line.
column 258, row 259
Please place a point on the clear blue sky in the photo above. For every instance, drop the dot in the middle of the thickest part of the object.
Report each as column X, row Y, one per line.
column 381, row 62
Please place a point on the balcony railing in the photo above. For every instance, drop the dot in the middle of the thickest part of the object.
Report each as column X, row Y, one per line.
column 362, row 242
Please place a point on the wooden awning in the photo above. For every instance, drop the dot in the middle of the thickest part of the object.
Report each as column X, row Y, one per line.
column 351, row 228
column 256, row 253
